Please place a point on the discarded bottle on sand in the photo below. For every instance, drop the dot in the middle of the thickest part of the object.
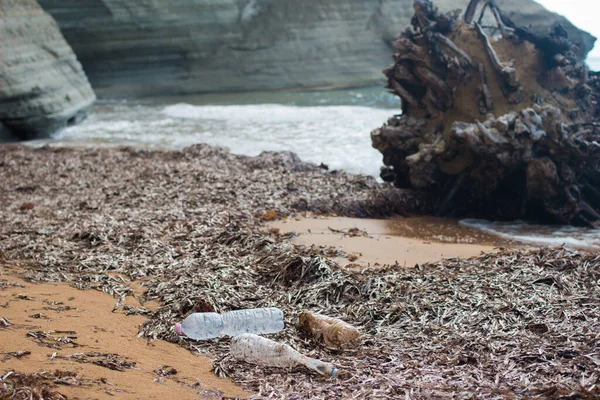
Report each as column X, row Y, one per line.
column 202, row 326
column 332, row 332
column 258, row 350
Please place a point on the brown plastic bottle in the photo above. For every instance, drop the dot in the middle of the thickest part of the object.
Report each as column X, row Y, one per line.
column 333, row 332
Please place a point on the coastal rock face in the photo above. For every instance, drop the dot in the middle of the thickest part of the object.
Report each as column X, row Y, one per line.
column 6, row 134
column 154, row 47
column 142, row 47
column 42, row 85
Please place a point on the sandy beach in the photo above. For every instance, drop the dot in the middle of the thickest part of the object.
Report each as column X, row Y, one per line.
column 163, row 234
column 56, row 320
column 56, row 327
column 276, row 200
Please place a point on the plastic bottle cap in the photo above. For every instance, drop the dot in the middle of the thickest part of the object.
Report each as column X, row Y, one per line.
column 178, row 328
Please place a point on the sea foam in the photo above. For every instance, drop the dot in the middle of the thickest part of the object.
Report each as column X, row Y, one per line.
column 545, row 235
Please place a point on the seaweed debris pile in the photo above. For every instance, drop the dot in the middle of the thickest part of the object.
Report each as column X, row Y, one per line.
column 15, row 386
column 189, row 225
column 497, row 122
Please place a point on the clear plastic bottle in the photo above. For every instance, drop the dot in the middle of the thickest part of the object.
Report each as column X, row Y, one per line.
column 202, row 326
column 258, row 350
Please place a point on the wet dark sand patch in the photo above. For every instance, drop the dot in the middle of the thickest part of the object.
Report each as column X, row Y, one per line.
column 396, row 241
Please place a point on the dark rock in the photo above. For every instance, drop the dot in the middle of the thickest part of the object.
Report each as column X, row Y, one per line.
column 6, row 135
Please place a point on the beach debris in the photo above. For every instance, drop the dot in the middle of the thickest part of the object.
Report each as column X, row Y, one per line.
column 493, row 126
column 352, row 232
column 15, row 354
column 355, row 232
column 40, row 386
column 353, row 257
column 165, row 371
column 55, row 339
column 4, row 284
column 268, row 215
column 25, row 296
column 107, row 360
column 209, row 325
column 433, row 331
column 27, row 206
column 59, row 309
column 333, row 332
column 4, row 322
column 57, row 306
column 130, row 310
column 258, row 350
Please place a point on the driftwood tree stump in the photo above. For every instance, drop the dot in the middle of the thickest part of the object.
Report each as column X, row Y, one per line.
column 496, row 122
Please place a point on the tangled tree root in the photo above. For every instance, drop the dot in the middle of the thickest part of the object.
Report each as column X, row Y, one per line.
column 496, row 121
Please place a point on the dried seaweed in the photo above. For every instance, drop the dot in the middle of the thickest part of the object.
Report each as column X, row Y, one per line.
column 55, row 339
column 16, row 386
column 352, row 232
column 42, row 385
column 462, row 326
column 106, row 360
column 15, row 354
column 188, row 224
column 5, row 284
column 165, row 371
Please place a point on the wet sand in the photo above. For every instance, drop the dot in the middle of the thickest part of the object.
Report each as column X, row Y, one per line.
column 402, row 241
column 93, row 327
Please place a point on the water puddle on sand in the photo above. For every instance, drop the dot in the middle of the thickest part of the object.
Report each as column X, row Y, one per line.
column 405, row 241
column 86, row 320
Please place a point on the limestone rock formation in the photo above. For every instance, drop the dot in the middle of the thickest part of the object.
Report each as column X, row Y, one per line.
column 42, row 85
column 142, row 47
column 497, row 122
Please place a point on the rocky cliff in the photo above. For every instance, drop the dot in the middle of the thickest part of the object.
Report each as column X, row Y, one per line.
column 42, row 85
column 153, row 47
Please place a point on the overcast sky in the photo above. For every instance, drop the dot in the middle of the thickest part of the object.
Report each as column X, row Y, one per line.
column 585, row 14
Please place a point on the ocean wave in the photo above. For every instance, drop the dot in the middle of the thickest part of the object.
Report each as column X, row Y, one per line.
column 335, row 135
column 275, row 113
column 332, row 134
column 545, row 235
